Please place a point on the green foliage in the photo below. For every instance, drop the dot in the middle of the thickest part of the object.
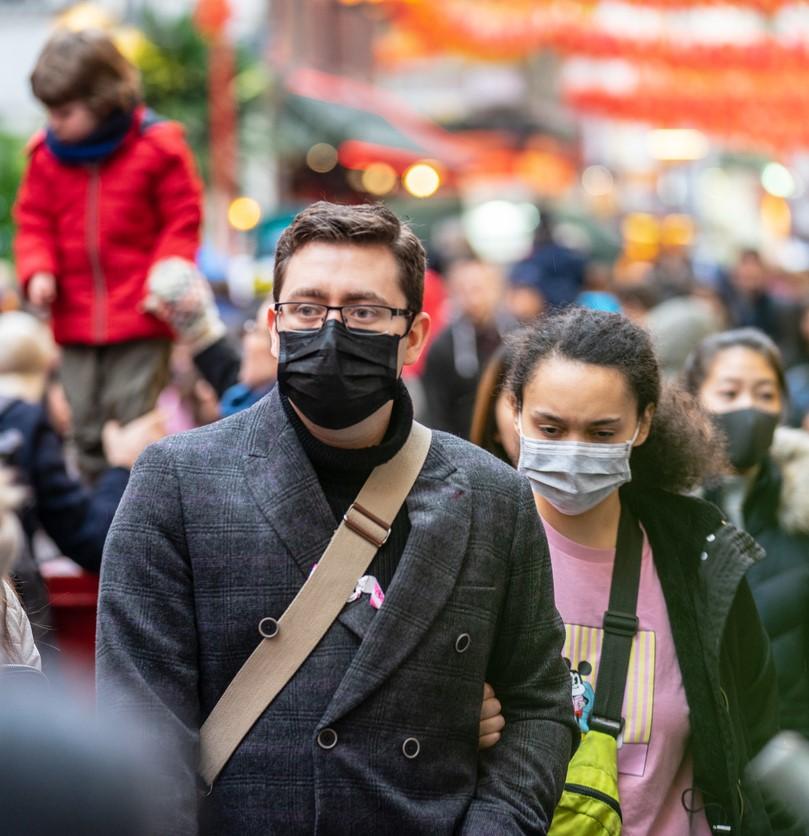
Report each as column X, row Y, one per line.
column 173, row 62
column 12, row 160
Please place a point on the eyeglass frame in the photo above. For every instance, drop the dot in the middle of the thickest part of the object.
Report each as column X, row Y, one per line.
column 405, row 312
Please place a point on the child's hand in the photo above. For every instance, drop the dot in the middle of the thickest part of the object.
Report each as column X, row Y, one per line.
column 42, row 290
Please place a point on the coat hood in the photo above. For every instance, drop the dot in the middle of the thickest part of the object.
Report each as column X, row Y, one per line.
column 790, row 452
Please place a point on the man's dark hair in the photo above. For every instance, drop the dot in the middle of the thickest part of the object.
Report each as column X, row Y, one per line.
column 85, row 66
column 363, row 225
column 681, row 449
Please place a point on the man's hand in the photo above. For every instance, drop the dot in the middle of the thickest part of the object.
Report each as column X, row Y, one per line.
column 123, row 444
column 42, row 290
column 492, row 721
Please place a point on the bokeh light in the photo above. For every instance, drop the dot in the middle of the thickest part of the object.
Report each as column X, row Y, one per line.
column 422, row 180
column 379, row 179
column 597, row 180
column 321, row 157
column 244, row 213
column 778, row 180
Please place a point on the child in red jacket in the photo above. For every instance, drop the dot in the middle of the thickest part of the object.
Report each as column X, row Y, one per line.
column 109, row 198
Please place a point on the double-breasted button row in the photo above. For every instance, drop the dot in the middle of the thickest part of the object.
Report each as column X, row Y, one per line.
column 327, row 739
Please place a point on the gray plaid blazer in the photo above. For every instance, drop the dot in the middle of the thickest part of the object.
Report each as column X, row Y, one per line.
column 220, row 526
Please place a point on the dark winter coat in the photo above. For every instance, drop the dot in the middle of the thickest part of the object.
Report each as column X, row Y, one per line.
column 220, row 527
column 75, row 518
column 776, row 513
column 98, row 229
column 722, row 648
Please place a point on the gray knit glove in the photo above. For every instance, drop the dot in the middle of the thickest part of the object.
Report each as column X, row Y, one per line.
column 180, row 295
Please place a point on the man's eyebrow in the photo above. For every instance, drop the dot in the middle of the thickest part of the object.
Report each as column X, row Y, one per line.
column 366, row 296
column 604, row 422
column 308, row 293
column 348, row 299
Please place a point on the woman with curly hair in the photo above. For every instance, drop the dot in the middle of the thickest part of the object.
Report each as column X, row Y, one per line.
column 601, row 443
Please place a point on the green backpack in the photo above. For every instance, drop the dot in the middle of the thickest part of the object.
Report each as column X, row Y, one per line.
column 590, row 805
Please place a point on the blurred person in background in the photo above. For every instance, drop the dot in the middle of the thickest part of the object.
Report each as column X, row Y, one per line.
column 259, row 367
column 524, row 301
column 555, row 270
column 677, row 326
column 798, row 375
column 73, row 516
column 64, row 773
column 493, row 416
column 598, row 292
column 747, row 292
column 109, row 200
column 17, row 646
column 601, row 442
column 459, row 354
column 739, row 379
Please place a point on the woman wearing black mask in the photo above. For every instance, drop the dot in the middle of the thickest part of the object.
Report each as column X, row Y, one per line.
column 739, row 379
column 601, row 444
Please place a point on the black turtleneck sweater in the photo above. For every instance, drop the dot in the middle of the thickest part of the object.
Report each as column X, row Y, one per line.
column 342, row 473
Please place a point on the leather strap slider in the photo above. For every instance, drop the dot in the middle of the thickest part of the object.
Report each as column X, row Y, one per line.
column 357, row 519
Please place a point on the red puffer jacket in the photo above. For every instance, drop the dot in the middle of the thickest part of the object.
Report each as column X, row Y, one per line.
column 99, row 228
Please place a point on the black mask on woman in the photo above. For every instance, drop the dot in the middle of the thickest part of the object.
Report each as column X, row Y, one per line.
column 337, row 377
column 749, row 434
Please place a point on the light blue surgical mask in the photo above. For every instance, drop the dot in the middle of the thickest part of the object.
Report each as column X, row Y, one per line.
column 575, row 476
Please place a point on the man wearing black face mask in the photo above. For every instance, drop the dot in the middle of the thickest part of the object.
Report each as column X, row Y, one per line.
column 221, row 527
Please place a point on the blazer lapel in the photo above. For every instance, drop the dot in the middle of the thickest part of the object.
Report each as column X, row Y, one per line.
column 439, row 511
column 285, row 487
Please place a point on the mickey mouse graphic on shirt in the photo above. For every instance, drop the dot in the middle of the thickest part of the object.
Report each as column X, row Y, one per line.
column 583, row 693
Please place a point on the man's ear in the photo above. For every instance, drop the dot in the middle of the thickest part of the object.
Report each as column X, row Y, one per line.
column 416, row 337
column 645, row 425
column 272, row 323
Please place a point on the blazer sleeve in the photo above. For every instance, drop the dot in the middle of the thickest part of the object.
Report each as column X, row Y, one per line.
column 178, row 197
column 146, row 651
column 35, row 242
column 522, row 777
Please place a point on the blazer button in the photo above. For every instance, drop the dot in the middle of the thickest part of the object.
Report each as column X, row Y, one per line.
column 268, row 627
column 327, row 738
column 462, row 643
column 411, row 748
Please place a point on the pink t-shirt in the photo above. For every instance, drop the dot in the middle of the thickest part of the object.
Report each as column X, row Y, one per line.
column 654, row 762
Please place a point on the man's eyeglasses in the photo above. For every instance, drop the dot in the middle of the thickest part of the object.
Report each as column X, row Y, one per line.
column 310, row 316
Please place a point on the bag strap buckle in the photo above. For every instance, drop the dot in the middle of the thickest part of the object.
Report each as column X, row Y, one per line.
column 605, row 725
column 357, row 519
column 620, row 623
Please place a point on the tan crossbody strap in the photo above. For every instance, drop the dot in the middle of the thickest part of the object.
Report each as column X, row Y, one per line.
column 295, row 635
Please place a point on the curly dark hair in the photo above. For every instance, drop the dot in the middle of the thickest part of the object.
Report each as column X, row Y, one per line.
column 681, row 450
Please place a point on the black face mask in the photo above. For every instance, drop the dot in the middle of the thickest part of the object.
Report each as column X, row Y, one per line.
column 749, row 434
column 336, row 377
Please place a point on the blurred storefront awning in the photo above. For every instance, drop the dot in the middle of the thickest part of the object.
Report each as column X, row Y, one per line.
column 364, row 123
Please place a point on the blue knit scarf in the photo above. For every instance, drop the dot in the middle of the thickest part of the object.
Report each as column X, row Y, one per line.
column 100, row 144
